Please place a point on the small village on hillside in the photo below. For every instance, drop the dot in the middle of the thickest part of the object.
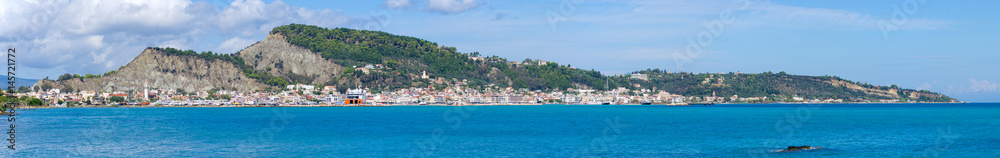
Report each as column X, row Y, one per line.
column 390, row 69
column 457, row 93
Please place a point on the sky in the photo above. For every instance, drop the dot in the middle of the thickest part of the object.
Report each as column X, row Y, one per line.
column 941, row 46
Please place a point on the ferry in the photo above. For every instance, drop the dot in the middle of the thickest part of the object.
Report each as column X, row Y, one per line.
column 355, row 97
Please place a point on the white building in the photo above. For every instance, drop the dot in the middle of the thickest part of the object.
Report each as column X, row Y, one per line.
column 301, row 87
column 639, row 76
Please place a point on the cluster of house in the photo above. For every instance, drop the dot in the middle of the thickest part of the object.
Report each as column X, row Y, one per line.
column 328, row 95
column 457, row 93
column 452, row 95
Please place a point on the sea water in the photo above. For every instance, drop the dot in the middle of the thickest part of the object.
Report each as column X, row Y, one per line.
column 760, row 130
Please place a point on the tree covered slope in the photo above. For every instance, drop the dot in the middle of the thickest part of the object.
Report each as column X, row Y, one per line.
column 345, row 58
column 780, row 86
column 405, row 58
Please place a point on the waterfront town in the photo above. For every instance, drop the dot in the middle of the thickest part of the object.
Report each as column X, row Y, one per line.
column 456, row 95
column 440, row 91
column 311, row 95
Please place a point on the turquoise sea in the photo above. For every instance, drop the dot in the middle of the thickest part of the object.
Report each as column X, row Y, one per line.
column 842, row 130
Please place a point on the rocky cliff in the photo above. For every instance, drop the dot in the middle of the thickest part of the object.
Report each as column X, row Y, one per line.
column 317, row 56
column 162, row 70
column 166, row 71
column 278, row 57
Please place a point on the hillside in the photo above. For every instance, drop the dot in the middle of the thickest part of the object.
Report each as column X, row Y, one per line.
column 377, row 60
column 405, row 58
column 162, row 68
column 780, row 86
column 19, row 82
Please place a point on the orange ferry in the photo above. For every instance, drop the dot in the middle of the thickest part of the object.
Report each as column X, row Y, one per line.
column 355, row 97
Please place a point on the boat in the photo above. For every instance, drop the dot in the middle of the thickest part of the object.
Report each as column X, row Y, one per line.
column 355, row 97
column 703, row 103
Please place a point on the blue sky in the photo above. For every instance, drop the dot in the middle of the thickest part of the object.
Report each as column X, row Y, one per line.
column 942, row 46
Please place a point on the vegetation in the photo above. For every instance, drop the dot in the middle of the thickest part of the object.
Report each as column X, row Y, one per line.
column 67, row 76
column 117, row 99
column 780, row 86
column 209, row 55
column 406, row 58
column 6, row 98
column 22, row 89
column 409, row 56
column 261, row 76
column 46, row 86
column 35, row 102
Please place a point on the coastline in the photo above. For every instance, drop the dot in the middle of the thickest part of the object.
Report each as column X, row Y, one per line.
column 437, row 105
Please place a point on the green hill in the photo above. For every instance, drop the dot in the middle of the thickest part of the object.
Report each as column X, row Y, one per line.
column 780, row 87
column 19, row 82
column 381, row 61
column 407, row 57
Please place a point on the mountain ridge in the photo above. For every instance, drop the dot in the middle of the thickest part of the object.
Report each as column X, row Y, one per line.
column 18, row 82
column 159, row 69
column 344, row 58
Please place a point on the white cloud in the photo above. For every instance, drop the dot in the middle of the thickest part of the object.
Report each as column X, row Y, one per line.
column 96, row 41
column 451, row 6
column 772, row 15
column 680, row 19
column 26, row 19
column 397, row 4
column 242, row 12
column 95, row 36
column 66, row 35
column 234, row 44
column 141, row 17
column 253, row 17
column 102, row 57
column 925, row 86
column 981, row 86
